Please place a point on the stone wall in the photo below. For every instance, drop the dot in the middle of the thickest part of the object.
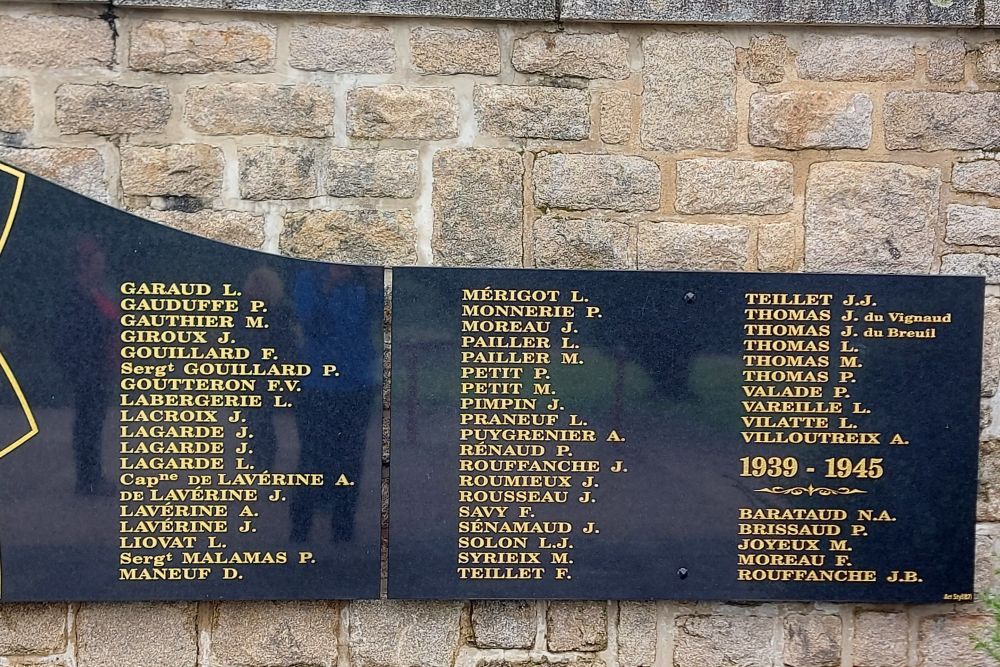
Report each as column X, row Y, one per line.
column 407, row 141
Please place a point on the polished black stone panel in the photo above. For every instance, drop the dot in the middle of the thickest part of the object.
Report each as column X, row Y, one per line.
column 229, row 451
column 694, row 436
column 182, row 419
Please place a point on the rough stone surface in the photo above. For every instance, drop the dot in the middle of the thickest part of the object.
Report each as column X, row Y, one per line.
column 985, row 566
column 958, row 12
column 233, row 227
column 870, row 217
column 577, row 626
column 334, row 48
column 478, row 201
column 387, row 633
column 16, row 110
column 812, row 641
column 436, row 50
column 158, row 635
column 32, row 629
column 988, row 506
column 636, row 634
column 590, row 243
column 988, row 62
column 723, row 640
column 778, row 247
column 387, row 112
column 586, row 55
column 194, row 4
column 542, row 112
column 946, row 60
column 538, row 10
column 79, row 169
column 187, row 170
column 616, row 116
column 519, row 659
column 278, row 172
column 856, row 58
column 613, row 182
column 880, row 639
column 180, row 47
column 712, row 185
column 972, row 264
column 504, row 623
column 260, row 108
column 682, row 246
column 796, row 120
column 359, row 236
column 948, row 640
column 275, row 633
column 992, row 15
column 991, row 347
column 973, row 225
column 766, row 58
column 934, row 121
column 936, row 13
column 43, row 42
column 371, row 173
column 981, row 176
column 111, row 109
column 689, row 98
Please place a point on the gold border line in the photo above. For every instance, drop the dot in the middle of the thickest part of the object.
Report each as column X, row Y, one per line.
column 4, row 366
column 18, row 189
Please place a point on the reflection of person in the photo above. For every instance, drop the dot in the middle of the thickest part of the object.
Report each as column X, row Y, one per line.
column 337, row 314
column 264, row 284
column 89, row 354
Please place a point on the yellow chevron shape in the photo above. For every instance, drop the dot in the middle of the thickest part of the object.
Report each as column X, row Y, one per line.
column 4, row 366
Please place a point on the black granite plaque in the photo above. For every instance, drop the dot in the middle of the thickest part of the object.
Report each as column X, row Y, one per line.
column 181, row 419
column 698, row 436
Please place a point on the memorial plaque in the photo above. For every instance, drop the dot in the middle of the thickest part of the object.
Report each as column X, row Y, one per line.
column 181, row 419
column 697, row 436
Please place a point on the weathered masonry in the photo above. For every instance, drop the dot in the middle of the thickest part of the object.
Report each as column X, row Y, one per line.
column 770, row 136
column 959, row 13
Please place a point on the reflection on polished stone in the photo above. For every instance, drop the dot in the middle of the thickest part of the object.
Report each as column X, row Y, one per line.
column 208, row 418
